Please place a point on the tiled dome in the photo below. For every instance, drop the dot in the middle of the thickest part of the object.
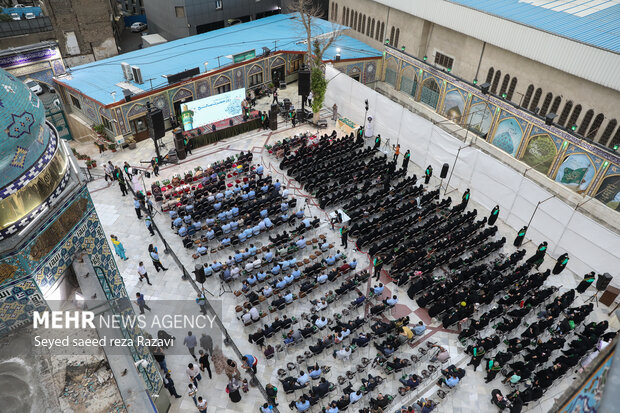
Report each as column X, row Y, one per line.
column 24, row 135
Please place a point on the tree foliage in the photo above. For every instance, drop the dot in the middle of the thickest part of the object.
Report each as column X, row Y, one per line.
column 317, row 45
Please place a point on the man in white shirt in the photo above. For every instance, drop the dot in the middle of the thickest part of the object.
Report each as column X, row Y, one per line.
column 246, row 318
column 193, row 374
column 267, row 291
column 142, row 273
column 321, row 322
column 320, row 305
column 343, row 354
column 254, row 314
column 201, row 405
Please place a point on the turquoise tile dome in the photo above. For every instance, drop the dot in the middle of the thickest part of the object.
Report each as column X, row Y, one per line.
column 24, row 136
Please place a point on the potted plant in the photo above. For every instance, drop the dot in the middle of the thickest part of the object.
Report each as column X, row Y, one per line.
column 112, row 147
column 131, row 142
column 99, row 129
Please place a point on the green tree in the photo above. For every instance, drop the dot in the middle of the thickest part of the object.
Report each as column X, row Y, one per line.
column 317, row 44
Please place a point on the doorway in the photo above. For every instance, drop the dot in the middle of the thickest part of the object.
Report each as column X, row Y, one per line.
column 139, row 128
column 278, row 74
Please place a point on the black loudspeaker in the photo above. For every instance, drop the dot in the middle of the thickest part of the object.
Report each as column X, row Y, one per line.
column 199, row 273
column 179, row 145
column 303, row 83
column 444, row 171
column 485, row 87
column 549, row 118
column 603, row 281
column 275, row 109
column 147, row 174
column 273, row 121
column 287, row 104
column 155, row 123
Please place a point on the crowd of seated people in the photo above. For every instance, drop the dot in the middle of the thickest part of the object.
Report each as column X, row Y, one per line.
column 414, row 234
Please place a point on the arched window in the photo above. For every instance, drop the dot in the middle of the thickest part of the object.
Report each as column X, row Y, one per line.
column 363, row 24
column 368, row 27
column 360, row 24
column 616, row 140
column 498, row 76
column 372, row 29
column 585, row 122
column 355, row 21
column 345, row 16
column 611, row 125
column 596, row 125
column 546, row 103
column 505, row 83
column 535, row 100
column 382, row 37
column 511, row 89
column 574, row 116
column 490, row 75
column 335, row 12
column 392, row 32
column 528, row 96
column 396, row 37
column 556, row 105
column 565, row 112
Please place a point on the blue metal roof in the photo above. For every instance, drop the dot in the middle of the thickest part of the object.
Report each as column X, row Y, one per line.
column 594, row 22
column 280, row 32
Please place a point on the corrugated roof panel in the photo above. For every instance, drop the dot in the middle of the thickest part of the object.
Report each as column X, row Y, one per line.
column 98, row 79
column 582, row 20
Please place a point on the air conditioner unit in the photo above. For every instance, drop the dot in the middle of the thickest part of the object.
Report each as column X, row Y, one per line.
column 137, row 74
column 127, row 71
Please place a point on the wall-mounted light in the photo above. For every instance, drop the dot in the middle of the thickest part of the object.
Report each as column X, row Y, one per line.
column 475, row 81
column 425, row 58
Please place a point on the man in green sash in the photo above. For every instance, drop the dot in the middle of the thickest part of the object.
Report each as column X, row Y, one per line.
column 560, row 264
column 494, row 215
column 427, row 174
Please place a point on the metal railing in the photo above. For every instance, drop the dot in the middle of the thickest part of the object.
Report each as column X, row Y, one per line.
column 24, row 27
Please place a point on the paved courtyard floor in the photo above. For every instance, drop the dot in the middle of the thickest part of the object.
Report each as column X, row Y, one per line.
column 118, row 217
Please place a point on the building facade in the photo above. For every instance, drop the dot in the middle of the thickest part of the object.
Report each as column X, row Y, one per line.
column 85, row 30
column 574, row 79
column 179, row 19
column 127, row 117
column 580, row 165
column 132, row 7
column 47, row 219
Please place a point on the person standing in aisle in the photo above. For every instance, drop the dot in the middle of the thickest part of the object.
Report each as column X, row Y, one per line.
column 493, row 216
column 378, row 264
column 203, row 360
column 155, row 258
column 142, row 273
column 344, row 234
column 118, row 247
column 141, row 303
column 191, row 342
column 169, row 384
column 406, row 160
column 148, row 221
column 396, row 152
column 427, row 174
column 136, row 205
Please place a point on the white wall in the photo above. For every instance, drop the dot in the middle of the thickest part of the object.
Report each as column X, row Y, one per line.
column 590, row 245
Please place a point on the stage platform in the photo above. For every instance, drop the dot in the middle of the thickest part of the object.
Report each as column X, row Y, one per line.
column 205, row 135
